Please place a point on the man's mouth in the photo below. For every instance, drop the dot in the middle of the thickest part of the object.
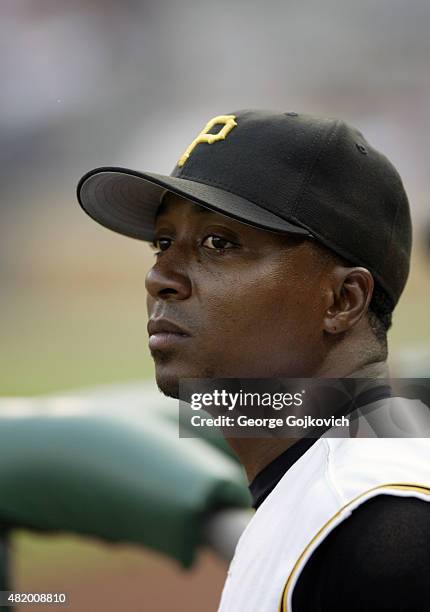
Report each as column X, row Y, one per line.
column 164, row 334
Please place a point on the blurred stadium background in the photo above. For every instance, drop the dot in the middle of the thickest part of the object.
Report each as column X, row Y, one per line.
column 92, row 83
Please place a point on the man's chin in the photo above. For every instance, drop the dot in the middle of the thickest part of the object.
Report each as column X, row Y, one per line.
column 167, row 382
column 168, row 377
column 168, row 387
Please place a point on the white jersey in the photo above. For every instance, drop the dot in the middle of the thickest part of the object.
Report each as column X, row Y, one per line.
column 318, row 492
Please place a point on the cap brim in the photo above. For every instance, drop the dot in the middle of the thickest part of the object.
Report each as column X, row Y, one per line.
column 126, row 201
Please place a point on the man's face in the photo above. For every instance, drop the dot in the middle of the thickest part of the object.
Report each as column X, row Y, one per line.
column 229, row 300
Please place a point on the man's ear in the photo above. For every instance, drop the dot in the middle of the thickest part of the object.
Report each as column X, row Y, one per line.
column 350, row 294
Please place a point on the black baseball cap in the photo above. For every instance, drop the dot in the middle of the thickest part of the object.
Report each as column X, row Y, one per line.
column 280, row 171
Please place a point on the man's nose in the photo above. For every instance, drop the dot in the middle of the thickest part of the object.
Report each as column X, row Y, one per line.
column 167, row 281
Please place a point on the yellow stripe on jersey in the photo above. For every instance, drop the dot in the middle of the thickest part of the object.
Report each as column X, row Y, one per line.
column 412, row 488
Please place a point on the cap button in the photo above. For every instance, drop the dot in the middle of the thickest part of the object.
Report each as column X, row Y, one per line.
column 361, row 148
column 292, row 114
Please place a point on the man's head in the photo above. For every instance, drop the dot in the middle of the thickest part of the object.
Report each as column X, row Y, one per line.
column 247, row 302
column 314, row 223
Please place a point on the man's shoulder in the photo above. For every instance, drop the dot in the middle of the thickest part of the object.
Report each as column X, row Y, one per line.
column 370, row 559
column 348, row 449
column 364, row 463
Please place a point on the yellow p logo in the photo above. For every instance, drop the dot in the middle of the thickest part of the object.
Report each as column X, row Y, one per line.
column 229, row 123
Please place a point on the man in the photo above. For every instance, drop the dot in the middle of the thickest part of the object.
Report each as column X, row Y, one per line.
column 282, row 246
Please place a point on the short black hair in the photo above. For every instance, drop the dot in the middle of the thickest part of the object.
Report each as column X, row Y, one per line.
column 380, row 313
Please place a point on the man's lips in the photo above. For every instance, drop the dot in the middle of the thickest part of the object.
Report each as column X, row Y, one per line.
column 163, row 334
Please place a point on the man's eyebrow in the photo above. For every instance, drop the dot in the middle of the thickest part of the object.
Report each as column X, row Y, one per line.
column 202, row 209
column 164, row 206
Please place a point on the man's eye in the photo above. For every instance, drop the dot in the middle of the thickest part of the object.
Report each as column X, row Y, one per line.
column 161, row 244
column 216, row 242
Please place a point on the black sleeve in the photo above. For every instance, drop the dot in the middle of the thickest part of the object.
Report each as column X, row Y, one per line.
column 377, row 560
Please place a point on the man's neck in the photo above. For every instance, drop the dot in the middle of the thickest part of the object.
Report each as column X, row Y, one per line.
column 379, row 369
column 256, row 453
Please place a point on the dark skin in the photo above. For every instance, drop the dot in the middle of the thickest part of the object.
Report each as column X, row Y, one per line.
column 250, row 303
